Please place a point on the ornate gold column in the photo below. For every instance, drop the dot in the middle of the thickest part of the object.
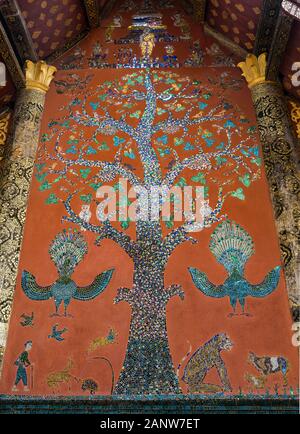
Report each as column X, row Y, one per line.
column 295, row 114
column 278, row 143
column 4, row 122
column 16, row 178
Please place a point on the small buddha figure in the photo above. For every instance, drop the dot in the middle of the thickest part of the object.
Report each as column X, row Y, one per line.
column 147, row 43
column 170, row 59
column 97, row 50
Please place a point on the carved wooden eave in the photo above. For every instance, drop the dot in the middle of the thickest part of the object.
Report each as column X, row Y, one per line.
column 107, row 8
column 17, row 30
column 225, row 42
column 10, row 59
column 292, row 8
column 187, row 6
column 279, row 44
column 266, row 26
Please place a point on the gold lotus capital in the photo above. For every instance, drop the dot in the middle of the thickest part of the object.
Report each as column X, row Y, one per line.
column 254, row 69
column 39, row 75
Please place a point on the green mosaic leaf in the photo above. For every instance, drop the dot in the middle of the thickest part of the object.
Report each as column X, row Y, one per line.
column 87, row 198
column 256, row 161
column 182, row 182
column 246, row 180
column 95, row 185
column 40, row 166
column 220, row 160
column 200, row 178
column 45, row 186
column 103, row 147
column 41, row 176
column 85, row 173
column 45, row 138
column 125, row 224
column 136, row 114
column 169, row 224
column 52, row 199
column 239, row 194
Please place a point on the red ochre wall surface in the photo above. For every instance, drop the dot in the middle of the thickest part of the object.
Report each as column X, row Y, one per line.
column 96, row 334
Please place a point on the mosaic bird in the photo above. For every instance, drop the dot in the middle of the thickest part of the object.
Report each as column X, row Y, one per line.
column 232, row 246
column 57, row 334
column 66, row 251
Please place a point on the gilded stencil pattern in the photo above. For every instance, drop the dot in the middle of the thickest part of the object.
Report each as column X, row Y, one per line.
column 230, row 20
column 4, row 122
column 295, row 114
column 53, row 24
column 27, row 120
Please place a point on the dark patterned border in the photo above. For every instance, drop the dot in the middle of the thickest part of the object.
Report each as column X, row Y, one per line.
column 279, row 45
column 92, row 11
column 188, row 404
column 18, row 31
column 266, row 26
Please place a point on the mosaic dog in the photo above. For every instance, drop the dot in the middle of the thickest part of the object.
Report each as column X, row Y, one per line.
column 270, row 365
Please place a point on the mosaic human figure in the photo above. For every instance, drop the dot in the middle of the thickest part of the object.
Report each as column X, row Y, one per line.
column 23, row 363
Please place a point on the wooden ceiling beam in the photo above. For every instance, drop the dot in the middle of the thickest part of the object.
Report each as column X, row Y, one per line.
column 279, row 45
column 17, row 31
column 272, row 36
column 10, row 60
column 266, row 26
column 107, row 9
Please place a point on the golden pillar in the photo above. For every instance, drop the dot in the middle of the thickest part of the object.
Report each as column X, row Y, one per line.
column 279, row 151
column 16, row 174
column 295, row 114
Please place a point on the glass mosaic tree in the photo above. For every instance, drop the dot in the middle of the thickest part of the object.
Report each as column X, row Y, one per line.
column 154, row 128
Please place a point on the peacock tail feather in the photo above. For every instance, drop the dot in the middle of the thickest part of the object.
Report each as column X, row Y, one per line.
column 231, row 245
column 67, row 250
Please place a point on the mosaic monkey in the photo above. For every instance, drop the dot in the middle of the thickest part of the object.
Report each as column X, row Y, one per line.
column 202, row 361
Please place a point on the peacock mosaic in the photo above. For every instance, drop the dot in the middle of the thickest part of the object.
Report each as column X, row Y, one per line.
column 130, row 307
